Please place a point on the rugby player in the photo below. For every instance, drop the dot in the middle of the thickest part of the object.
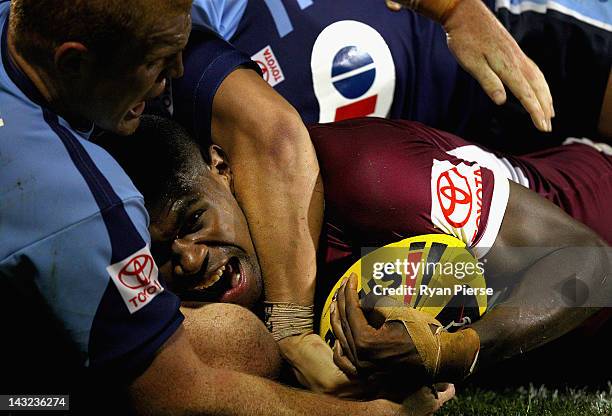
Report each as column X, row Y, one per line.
column 74, row 227
column 67, row 67
column 263, row 134
column 383, row 190
column 334, row 60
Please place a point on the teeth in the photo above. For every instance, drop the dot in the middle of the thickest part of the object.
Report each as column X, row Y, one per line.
column 214, row 278
column 235, row 279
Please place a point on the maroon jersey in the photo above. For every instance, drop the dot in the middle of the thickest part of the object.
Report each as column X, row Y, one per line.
column 387, row 180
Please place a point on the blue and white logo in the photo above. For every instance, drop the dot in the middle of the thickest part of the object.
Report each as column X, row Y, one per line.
column 353, row 72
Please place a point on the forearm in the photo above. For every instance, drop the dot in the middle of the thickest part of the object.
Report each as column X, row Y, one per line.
column 283, row 211
column 178, row 383
column 276, row 182
column 282, row 200
column 540, row 308
column 257, row 396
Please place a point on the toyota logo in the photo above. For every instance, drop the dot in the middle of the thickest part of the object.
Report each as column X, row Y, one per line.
column 264, row 70
column 137, row 273
column 455, row 197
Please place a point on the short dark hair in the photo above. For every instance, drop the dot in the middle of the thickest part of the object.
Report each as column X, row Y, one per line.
column 106, row 27
column 161, row 158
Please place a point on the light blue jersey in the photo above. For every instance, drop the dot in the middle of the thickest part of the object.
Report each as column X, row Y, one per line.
column 222, row 16
column 71, row 216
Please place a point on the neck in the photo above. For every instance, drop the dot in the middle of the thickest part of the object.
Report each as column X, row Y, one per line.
column 46, row 86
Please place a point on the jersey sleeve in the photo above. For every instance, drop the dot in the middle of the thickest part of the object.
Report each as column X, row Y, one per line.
column 102, row 284
column 468, row 201
column 208, row 60
column 222, row 16
column 389, row 180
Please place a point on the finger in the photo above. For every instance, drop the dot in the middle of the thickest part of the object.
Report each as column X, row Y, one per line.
column 422, row 402
column 339, row 332
column 393, row 5
column 513, row 78
column 445, row 395
column 503, row 65
column 359, row 327
column 516, row 71
column 490, row 83
column 541, row 88
column 479, row 68
column 354, row 313
column 354, row 389
column 343, row 362
column 346, row 329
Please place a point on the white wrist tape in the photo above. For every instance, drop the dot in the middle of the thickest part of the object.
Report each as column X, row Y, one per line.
column 288, row 319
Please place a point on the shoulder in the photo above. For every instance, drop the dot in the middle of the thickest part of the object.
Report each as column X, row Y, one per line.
column 52, row 179
column 222, row 16
column 208, row 61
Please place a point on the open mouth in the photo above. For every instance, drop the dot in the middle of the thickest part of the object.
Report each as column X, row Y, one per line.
column 222, row 285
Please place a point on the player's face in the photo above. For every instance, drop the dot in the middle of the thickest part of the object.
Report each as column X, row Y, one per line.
column 117, row 95
column 202, row 243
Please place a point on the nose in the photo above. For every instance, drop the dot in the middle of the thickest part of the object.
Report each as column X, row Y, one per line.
column 189, row 257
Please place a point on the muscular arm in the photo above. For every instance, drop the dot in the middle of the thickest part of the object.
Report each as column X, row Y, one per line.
column 179, row 383
column 543, row 254
column 276, row 181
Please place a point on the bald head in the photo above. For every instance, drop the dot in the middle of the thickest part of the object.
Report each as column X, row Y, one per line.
column 108, row 28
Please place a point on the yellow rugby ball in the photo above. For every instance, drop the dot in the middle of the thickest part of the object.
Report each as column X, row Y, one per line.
column 435, row 266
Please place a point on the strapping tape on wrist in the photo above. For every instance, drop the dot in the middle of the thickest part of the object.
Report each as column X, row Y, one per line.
column 446, row 356
column 288, row 319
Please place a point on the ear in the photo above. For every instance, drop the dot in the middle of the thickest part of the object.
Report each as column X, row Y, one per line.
column 219, row 165
column 70, row 57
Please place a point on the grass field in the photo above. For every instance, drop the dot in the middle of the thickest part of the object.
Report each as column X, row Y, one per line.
column 530, row 401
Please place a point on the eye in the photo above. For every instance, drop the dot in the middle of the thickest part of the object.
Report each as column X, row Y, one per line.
column 192, row 221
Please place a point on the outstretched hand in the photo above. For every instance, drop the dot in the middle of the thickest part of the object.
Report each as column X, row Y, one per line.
column 313, row 364
column 485, row 49
column 426, row 401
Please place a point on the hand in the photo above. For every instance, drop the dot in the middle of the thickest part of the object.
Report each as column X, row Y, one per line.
column 362, row 349
column 419, row 346
column 423, row 402
column 313, row 364
column 426, row 401
column 484, row 48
